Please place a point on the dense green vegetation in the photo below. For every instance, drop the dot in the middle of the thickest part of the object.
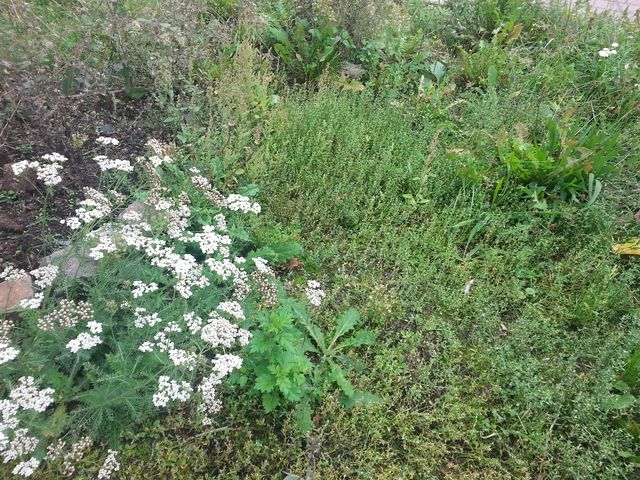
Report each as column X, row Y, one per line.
column 456, row 173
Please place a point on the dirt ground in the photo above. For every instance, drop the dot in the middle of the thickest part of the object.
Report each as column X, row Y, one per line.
column 32, row 125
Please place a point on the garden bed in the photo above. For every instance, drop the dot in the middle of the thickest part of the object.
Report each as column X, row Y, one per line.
column 30, row 225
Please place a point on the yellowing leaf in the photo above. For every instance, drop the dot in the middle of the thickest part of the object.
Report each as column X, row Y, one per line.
column 353, row 85
column 629, row 248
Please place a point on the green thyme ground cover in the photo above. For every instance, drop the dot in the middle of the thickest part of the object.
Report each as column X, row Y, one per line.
column 387, row 250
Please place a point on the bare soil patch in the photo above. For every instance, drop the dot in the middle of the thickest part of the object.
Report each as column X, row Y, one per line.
column 34, row 124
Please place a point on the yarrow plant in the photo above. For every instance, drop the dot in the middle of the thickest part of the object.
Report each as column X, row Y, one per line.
column 164, row 322
column 47, row 169
column 188, row 350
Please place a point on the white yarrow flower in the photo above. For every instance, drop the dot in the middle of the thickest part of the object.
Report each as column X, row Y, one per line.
column 107, row 141
column 109, row 466
column 84, row 341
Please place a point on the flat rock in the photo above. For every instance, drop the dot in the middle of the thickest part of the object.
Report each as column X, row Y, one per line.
column 13, row 291
column 147, row 212
column 75, row 265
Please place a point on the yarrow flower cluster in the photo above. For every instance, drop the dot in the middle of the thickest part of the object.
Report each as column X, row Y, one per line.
column 47, row 170
column 107, row 141
column 143, row 319
column 84, row 341
column 169, row 390
column 233, row 308
column 45, row 276
column 105, row 163
column 220, row 332
column 32, row 303
column 241, row 203
column 204, row 185
column 7, row 351
column 223, row 365
column 606, row 52
column 94, row 207
column 105, row 242
column 12, row 273
column 160, row 153
column 314, row 293
column 77, row 451
column 67, row 315
column 16, row 442
column 140, row 288
column 26, row 468
column 109, row 466
column 28, row 397
column 263, row 276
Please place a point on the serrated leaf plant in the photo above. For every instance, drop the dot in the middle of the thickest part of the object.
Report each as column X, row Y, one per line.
column 293, row 362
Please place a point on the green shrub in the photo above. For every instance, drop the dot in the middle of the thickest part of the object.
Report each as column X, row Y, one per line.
column 569, row 165
column 306, row 50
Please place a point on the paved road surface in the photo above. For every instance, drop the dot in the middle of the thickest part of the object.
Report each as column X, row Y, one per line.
column 616, row 6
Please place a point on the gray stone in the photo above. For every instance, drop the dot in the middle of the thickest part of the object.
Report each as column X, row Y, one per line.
column 106, row 129
column 73, row 265
column 147, row 212
column 352, row 70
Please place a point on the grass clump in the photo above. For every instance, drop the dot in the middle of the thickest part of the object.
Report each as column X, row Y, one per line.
column 505, row 380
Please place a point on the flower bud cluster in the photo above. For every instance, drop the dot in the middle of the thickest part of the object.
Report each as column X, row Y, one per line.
column 68, row 314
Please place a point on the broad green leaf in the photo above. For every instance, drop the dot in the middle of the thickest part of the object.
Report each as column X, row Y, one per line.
column 618, row 402
column 317, row 335
column 437, row 69
column 303, row 418
column 346, row 323
column 285, row 251
column 595, row 187
column 362, row 337
column 259, row 343
column 621, row 386
column 337, row 375
column 280, row 35
column 136, row 93
column 492, row 77
column 283, row 52
column 250, row 190
column 553, row 140
column 360, row 397
column 264, row 252
column 239, row 233
column 270, row 402
column 265, row 383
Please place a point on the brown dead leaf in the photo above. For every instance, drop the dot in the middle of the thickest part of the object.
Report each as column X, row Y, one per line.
column 293, row 263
